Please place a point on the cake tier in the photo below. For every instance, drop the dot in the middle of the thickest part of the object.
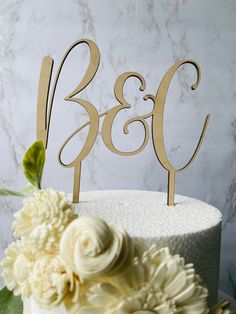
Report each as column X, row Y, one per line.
column 191, row 228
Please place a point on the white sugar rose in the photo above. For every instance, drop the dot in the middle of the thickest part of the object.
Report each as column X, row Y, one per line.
column 43, row 219
column 93, row 248
column 17, row 268
column 52, row 284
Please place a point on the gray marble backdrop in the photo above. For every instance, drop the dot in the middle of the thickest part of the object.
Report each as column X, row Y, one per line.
column 132, row 35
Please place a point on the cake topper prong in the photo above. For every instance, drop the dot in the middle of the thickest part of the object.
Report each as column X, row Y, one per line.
column 44, row 113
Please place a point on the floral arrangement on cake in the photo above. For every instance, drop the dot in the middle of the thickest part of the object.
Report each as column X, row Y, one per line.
column 87, row 265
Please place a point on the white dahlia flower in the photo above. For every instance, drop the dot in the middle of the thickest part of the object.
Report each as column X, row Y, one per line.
column 17, row 268
column 92, row 248
column 52, row 284
column 155, row 283
column 43, row 219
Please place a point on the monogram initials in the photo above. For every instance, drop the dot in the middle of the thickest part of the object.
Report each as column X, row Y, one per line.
column 45, row 106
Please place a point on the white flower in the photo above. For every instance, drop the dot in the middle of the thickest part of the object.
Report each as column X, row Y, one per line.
column 221, row 308
column 52, row 284
column 17, row 268
column 43, row 219
column 93, row 248
column 156, row 283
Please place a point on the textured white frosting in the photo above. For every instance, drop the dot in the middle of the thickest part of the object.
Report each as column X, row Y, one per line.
column 191, row 228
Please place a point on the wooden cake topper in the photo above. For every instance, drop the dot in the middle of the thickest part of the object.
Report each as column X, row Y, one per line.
column 45, row 105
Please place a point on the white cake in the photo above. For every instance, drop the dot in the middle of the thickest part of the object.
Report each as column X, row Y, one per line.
column 191, row 228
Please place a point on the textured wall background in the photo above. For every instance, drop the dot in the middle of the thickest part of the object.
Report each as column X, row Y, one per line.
column 143, row 36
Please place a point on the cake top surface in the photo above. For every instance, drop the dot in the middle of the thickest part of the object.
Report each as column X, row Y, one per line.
column 145, row 213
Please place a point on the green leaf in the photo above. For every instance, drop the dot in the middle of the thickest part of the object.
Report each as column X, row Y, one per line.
column 10, row 304
column 6, row 192
column 33, row 163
